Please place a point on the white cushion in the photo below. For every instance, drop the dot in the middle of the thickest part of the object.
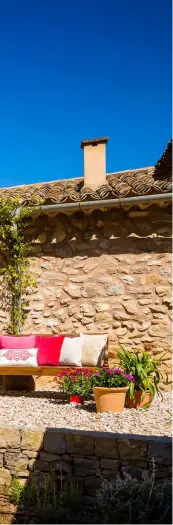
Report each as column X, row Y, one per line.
column 93, row 349
column 18, row 357
column 71, row 351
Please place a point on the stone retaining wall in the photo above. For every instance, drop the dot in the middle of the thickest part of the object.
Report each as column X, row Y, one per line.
column 80, row 454
column 104, row 272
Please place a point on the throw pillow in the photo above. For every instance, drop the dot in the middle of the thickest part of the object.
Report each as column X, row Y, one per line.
column 17, row 341
column 93, row 349
column 71, row 351
column 18, row 357
column 49, row 349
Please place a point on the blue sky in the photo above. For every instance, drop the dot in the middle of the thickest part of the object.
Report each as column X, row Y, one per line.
column 73, row 70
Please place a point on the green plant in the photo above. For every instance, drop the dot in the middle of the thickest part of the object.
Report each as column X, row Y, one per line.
column 15, row 491
column 15, row 248
column 145, row 370
column 111, row 378
column 75, row 382
column 130, row 501
column 41, row 499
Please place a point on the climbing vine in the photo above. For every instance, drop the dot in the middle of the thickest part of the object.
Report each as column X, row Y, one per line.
column 15, row 247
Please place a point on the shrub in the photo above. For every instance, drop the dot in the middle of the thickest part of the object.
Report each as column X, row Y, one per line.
column 128, row 501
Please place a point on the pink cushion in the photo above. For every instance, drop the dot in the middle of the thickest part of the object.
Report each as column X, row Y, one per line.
column 15, row 341
column 49, row 349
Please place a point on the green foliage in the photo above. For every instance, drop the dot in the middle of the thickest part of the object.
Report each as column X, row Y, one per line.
column 75, row 382
column 145, row 369
column 120, row 501
column 15, row 491
column 47, row 502
column 130, row 501
column 15, row 248
column 111, row 378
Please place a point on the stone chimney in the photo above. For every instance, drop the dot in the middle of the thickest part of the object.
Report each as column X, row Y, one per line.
column 94, row 162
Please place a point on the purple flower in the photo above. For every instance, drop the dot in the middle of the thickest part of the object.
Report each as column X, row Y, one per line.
column 129, row 377
column 97, row 374
column 117, row 370
column 111, row 371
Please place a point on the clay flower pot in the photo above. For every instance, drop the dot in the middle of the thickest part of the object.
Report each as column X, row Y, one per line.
column 136, row 402
column 110, row 399
column 77, row 400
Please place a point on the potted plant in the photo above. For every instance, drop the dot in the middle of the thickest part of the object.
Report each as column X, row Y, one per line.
column 110, row 387
column 147, row 374
column 75, row 383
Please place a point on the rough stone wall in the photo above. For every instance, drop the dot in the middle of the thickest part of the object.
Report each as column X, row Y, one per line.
column 103, row 272
column 81, row 455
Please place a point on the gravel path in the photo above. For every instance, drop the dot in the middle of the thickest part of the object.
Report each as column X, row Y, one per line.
column 47, row 409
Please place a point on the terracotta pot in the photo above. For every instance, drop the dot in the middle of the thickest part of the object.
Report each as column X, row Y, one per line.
column 110, row 399
column 136, row 401
column 78, row 400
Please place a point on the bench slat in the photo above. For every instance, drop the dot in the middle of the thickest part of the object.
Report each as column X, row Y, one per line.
column 37, row 371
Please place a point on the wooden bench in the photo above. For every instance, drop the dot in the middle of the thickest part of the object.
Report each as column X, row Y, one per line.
column 29, row 371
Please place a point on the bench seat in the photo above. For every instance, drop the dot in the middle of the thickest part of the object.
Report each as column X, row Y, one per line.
column 38, row 370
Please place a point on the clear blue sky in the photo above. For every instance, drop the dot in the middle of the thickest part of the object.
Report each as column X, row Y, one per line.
column 75, row 69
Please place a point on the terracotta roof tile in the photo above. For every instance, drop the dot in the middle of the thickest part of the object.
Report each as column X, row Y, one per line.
column 145, row 181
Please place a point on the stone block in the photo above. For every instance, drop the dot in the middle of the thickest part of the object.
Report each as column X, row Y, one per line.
column 134, row 472
column 86, row 463
column 31, row 453
column 9, row 438
column 23, row 481
column 23, row 474
column 110, row 464
column 54, row 442
column 73, row 290
column 160, row 452
column 83, row 472
column 80, row 444
column 15, row 461
column 5, row 477
column 32, row 440
column 132, row 448
column 79, row 485
column 106, row 447
column 92, row 482
column 1, row 460
column 46, row 456
column 38, row 464
column 110, row 474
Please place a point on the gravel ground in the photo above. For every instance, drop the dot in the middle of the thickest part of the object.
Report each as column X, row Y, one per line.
column 47, row 409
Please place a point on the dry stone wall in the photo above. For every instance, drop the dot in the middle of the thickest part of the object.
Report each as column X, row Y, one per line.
column 104, row 272
column 81, row 455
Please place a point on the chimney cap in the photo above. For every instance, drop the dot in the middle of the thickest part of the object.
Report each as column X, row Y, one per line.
column 94, row 142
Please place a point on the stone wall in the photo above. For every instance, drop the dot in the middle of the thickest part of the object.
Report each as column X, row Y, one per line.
column 82, row 455
column 104, row 272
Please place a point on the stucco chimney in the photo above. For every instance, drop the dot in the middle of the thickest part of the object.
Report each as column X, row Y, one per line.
column 94, row 162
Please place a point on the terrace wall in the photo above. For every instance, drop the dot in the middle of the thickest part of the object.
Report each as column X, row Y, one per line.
column 82, row 455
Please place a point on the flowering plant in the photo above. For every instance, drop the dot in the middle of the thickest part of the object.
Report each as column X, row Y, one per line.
column 111, row 378
column 75, row 382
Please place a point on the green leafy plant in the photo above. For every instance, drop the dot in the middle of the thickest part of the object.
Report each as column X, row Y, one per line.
column 130, row 501
column 45, row 501
column 111, row 378
column 15, row 248
column 75, row 382
column 145, row 370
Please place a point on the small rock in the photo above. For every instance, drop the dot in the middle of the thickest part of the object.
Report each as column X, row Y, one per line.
column 73, row 291
column 127, row 279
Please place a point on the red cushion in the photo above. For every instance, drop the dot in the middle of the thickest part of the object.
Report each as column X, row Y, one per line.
column 17, row 342
column 49, row 349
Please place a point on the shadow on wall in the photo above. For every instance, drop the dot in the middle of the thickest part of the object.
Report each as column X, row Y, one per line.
column 113, row 232
column 61, row 470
